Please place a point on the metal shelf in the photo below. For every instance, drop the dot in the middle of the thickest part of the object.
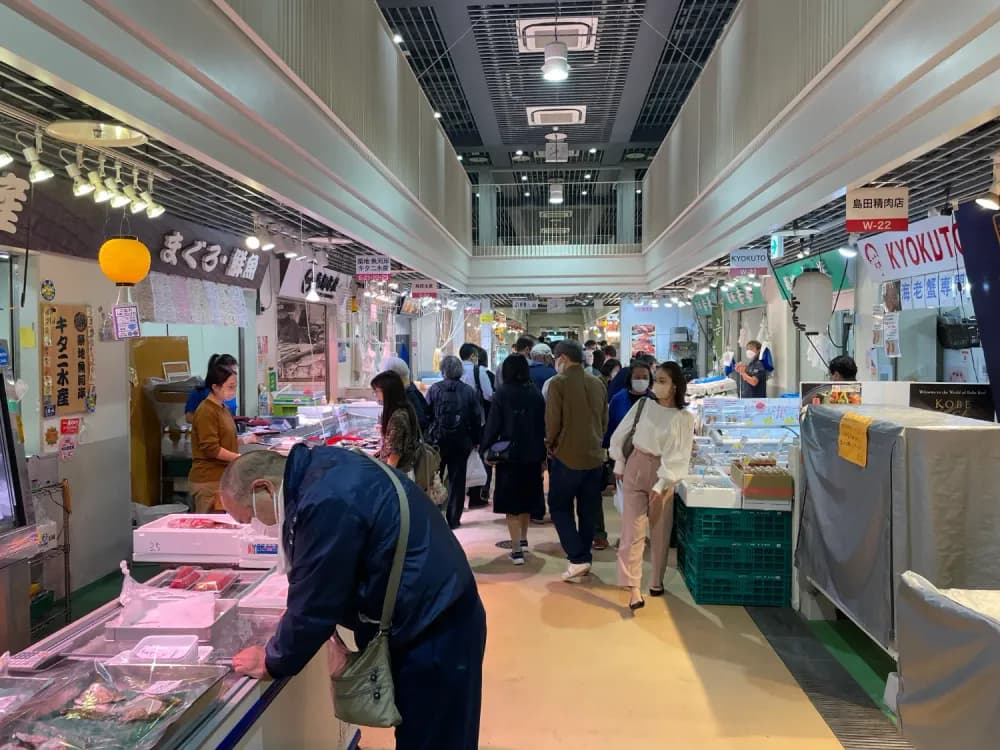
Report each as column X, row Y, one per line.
column 59, row 496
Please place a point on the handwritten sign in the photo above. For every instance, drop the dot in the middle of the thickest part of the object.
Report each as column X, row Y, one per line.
column 126, row 322
column 852, row 442
column 67, row 359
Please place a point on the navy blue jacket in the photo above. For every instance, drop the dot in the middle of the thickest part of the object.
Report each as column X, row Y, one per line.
column 340, row 532
column 618, row 408
column 420, row 406
column 539, row 373
column 623, row 380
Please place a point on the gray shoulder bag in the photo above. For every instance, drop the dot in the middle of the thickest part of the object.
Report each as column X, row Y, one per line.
column 364, row 693
column 628, row 446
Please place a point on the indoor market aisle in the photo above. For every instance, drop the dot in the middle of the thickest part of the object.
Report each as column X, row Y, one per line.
column 566, row 667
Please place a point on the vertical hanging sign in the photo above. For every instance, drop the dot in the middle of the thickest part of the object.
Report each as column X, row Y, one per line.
column 67, row 360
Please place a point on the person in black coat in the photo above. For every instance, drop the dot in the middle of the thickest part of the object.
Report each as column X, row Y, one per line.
column 517, row 416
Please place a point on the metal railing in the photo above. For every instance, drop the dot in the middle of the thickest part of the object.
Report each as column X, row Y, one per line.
column 545, row 219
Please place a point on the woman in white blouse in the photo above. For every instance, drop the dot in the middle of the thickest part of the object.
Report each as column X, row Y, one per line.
column 661, row 434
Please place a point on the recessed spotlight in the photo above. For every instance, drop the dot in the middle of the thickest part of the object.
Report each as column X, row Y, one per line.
column 519, row 152
column 460, row 157
column 583, row 192
column 638, row 191
column 587, row 176
column 437, row 115
column 524, row 178
column 252, row 242
column 527, row 194
column 397, row 38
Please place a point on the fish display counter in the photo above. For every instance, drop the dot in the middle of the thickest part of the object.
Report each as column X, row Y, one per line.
column 159, row 675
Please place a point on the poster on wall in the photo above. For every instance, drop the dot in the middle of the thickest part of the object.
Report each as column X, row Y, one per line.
column 67, row 360
column 892, row 296
column 643, row 338
column 891, row 327
column 302, row 344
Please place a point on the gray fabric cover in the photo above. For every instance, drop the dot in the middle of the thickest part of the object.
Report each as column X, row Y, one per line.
column 928, row 500
column 949, row 666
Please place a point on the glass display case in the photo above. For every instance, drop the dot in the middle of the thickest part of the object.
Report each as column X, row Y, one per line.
column 731, row 428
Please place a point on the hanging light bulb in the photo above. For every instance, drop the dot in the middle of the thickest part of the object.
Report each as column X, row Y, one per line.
column 313, row 295
column 556, row 67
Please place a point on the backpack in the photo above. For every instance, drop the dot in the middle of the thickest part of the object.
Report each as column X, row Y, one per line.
column 479, row 391
column 448, row 427
column 426, row 465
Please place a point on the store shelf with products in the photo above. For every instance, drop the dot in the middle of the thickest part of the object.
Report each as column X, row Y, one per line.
column 93, row 677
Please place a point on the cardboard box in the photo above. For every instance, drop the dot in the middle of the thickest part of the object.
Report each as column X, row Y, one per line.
column 762, row 482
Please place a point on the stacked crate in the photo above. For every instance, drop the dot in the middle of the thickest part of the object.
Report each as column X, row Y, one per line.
column 735, row 556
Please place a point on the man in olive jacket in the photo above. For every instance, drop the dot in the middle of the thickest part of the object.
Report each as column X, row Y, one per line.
column 576, row 417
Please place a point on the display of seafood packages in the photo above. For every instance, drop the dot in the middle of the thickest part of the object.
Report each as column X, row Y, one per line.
column 100, row 707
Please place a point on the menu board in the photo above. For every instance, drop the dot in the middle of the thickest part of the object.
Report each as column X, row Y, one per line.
column 67, row 360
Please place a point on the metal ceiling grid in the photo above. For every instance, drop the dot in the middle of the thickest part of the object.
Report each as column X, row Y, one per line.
column 542, row 176
column 195, row 192
column 696, row 28
column 427, row 50
column 581, row 300
column 597, row 77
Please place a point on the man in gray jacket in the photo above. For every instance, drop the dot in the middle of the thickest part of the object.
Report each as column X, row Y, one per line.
column 576, row 417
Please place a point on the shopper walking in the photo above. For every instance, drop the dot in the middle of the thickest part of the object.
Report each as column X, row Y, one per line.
column 413, row 394
column 522, row 347
column 652, row 452
column 213, row 438
column 515, row 437
column 342, row 519
column 477, row 377
column 540, row 369
column 576, row 416
column 400, row 429
column 456, row 428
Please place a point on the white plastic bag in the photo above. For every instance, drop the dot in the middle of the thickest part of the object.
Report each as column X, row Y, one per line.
column 475, row 471
column 620, row 496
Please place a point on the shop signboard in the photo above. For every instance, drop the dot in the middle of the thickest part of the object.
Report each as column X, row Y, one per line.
column 885, row 209
column 13, row 194
column 331, row 286
column 209, row 259
column 749, row 261
column 419, row 289
column 929, row 246
column 974, row 400
column 702, row 304
column 67, row 360
column 372, row 268
column 742, row 297
column 525, row 304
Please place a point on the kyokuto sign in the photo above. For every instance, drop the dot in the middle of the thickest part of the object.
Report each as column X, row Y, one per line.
column 930, row 246
column 743, row 262
column 878, row 209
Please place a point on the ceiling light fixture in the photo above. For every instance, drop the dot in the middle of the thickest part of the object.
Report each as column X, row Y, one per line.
column 132, row 191
column 583, row 192
column 524, row 178
column 291, row 255
column 556, row 193
column 39, row 172
column 460, row 157
column 519, row 152
column 556, row 67
column 527, row 194
column 991, row 200
column 848, row 252
column 5, row 159
column 638, row 191
column 592, row 151
column 81, row 187
column 153, row 209
column 437, row 115
column 587, row 176
column 313, row 294
column 252, row 242
column 397, row 38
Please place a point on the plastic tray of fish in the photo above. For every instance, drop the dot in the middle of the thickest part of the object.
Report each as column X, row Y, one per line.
column 104, row 707
column 17, row 691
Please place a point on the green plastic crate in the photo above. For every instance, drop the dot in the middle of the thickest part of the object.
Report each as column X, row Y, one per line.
column 733, row 525
column 740, row 589
column 770, row 558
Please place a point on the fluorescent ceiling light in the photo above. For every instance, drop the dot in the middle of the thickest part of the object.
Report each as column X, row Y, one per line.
column 587, row 176
column 556, row 193
column 5, row 159
column 583, row 192
column 527, row 194
column 437, row 115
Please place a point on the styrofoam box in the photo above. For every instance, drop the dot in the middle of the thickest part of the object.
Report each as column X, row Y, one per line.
column 708, row 492
column 780, row 505
column 156, row 542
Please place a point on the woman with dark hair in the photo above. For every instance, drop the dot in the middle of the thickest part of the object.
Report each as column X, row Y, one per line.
column 610, row 369
column 200, row 393
column 213, row 437
column 400, row 428
column 660, row 432
column 599, row 358
column 517, row 419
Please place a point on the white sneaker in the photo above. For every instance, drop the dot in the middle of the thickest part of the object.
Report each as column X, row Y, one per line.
column 575, row 571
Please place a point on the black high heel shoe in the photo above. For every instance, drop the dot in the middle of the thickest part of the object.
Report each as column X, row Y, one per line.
column 637, row 605
column 655, row 591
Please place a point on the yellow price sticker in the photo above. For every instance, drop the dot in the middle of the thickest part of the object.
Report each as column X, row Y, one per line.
column 852, row 442
column 486, row 318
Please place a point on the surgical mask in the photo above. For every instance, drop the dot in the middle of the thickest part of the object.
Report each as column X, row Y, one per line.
column 588, row 358
column 751, row 354
column 663, row 391
column 640, row 386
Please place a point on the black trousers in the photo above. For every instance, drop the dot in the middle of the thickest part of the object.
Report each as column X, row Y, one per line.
column 439, row 680
column 454, row 461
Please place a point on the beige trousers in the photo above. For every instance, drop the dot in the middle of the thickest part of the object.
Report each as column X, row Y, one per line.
column 206, row 497
column 641, row 513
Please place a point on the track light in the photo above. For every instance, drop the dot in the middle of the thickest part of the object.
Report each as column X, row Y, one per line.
column 101, row 193
column 556, row 67
column 991, row 200
column 118, row 199
column 80, row 186
column 252, row 242
column 848, row 252
column 39, row 172
column 137, row 204
column 5, row 159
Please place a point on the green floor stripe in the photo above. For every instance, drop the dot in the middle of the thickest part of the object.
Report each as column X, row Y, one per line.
column 868, row 664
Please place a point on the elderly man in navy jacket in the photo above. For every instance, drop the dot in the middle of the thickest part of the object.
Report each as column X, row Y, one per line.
column 339, row 534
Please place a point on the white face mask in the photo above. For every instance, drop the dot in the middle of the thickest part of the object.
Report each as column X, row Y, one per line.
column 663, row 391
column 640, row 386
column 751, row 354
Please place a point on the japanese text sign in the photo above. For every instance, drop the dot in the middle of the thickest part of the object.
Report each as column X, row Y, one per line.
column 852, row 442
column 525, row 304
column 210, row 261
column 420, row 289
column 878, row 209
column 929, row 246
column 372, row 268
column 67, row 359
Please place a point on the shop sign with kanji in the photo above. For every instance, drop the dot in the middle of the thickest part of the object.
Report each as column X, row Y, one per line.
column 884, row 209
column 210, row 261
column 67, row 353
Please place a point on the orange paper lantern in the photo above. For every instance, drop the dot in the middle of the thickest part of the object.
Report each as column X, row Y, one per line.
column 124, row 260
